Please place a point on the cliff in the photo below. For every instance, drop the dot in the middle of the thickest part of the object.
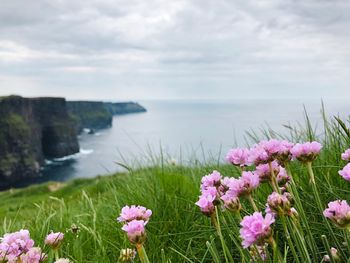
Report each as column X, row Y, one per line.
column 116, row 108
column 89, row 114
column 32, row 129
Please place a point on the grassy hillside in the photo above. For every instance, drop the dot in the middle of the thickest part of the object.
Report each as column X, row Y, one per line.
column 177, row 230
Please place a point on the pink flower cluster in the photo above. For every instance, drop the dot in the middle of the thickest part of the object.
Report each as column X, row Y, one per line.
column 339, row 213
column 19, row 247
column 245, row 184
column 346, row 155
column 134, row 219
column 345, row 172
column 238, row 156
column 306, row 152
column 279, row 204
column 255, row 229
column 54, row 240
column 209, row 192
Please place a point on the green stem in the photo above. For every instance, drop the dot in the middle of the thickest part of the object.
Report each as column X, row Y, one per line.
column 290, row 243
column 216, row 222
column 251, row 200
column 56, row 254
column 142, row 253
column 274, row 180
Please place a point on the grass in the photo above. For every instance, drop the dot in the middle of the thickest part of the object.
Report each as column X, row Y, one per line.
column 177, row 227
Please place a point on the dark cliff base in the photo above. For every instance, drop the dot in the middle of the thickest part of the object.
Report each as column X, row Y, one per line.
column 35, row 129
column 30, row 131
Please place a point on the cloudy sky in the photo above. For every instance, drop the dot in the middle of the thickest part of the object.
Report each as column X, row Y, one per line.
column 174, row 49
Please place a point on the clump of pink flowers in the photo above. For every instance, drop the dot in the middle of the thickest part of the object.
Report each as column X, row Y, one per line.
column 244, row 185
column 346, row 155
column 54, row 240
column 280, row 204
column 18, row 247
column 306, row 152
column 129, row 213
column 134, row 219
column 256, row 229
column 238, row 157
column 345, row 172
column 339, row 213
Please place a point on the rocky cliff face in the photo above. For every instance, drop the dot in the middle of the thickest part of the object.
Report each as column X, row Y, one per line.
column 89, row 114
column 124, row 107
column 30, row 131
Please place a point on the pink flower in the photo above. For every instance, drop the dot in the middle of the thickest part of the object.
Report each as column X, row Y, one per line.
column 206, row 201
column 245, row 184
column 54, row 240
column 34, row 255
column 238, row 156
column 339, row 213
column 346, row 155
column 255, row 229
column 133, row 212
column 14, row 244
column 135, row 231
column 264, row 172
column 282, row 177
column 280, row 204
column 213, row 179
column 306, row 152
column 345, row 173
column 258, row 155
column 284, row 155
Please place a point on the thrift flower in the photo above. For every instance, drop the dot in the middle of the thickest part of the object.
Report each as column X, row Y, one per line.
column 345, row 173
column 133, row 212
column 135, row 231
column 14, row 244
column 282, row 177
column 127, row 255
column 284, row 155
column 280, row 204
column 238, row 157
column 255, row 229
column 245, row 184
column 258, row 155
column 339, row 213
column 54, row 240
column 264, row 172
column 34, row 255
column 306, row 152
column 206, row 201
column 213, row 179
column 346, row 155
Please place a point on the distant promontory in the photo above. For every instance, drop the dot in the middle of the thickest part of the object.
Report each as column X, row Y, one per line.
column 35, row 129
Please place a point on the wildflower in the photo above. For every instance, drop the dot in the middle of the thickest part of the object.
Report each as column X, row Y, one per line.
column 231, row 202
column 280, row 204
column 306, row 152
column 258, row 155
column 62, row 260
column 15, row 244
column 54, row 240
column 255, row 229
column 34, row 255
column 211, row 180
column 245, row 184
column 284, row 155
column 133, row 212
column 206, row 201
column 282, row 177
column 345, row 173
column 135, row 231
column 238, row 157
column 264, row 172
column 346, row 155
column 127, row 255
column 339, row 213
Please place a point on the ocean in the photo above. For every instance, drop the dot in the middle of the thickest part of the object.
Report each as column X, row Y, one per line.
column 182, row 131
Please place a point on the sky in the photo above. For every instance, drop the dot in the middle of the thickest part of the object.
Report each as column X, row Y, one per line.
column 174, row 49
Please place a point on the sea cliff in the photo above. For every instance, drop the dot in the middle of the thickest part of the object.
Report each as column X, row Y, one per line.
column 32, row 129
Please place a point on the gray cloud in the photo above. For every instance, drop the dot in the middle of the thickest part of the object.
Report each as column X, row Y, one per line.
column 133, row 49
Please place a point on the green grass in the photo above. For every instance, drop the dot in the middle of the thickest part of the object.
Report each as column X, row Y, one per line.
column 176, row 226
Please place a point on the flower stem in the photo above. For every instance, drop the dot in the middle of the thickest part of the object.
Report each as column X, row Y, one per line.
column 142, row 253
column 273, row 179
column 251, row 200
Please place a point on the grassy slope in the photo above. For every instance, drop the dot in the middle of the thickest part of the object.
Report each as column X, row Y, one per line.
column 177, row 226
